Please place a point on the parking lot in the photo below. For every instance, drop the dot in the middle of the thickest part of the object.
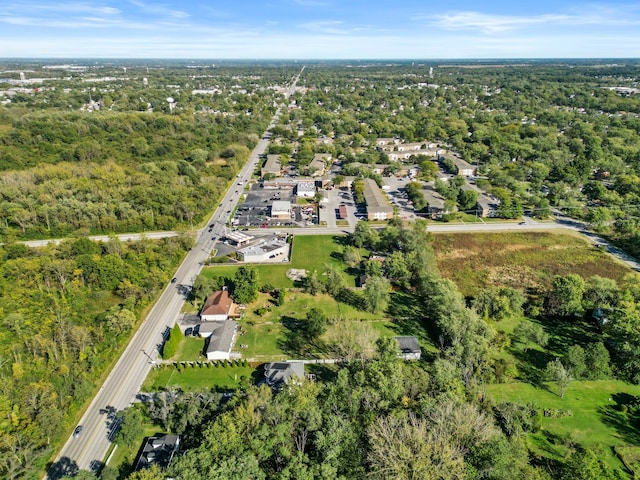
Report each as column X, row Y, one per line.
column 255, row 209
column 398, row 196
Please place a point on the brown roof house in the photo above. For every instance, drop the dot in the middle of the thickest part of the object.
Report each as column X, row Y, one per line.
column 218, row 306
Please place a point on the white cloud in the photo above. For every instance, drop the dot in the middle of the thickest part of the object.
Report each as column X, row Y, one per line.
column 490, row 23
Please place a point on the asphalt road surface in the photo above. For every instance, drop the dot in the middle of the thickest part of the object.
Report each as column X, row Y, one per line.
column 119, row 390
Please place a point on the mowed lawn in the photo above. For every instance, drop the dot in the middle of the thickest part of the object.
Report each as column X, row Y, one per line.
column 309, row 252
column 197, row 378
column 519, row 259
column 596, row 420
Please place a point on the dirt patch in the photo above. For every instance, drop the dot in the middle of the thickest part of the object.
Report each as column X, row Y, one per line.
column 296, row 274
column 514, row 276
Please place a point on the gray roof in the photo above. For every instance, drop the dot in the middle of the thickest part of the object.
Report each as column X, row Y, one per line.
column 281, row 206
column 307, row 186
column 278, row 372
column 374, row 198
column 408, row 344
column 462, row 164
column 221, row 338
column 263, row 247
column 273, row 164
column 158, row 450
column 433, row 198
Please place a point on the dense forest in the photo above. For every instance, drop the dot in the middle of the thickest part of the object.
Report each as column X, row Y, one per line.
column 66, row 312
column 127, row 163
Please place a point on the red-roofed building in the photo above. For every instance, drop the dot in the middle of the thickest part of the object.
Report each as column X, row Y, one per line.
column 217, row 307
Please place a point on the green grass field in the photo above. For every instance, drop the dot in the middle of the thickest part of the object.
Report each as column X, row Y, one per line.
column 195, row 378
column 596, row 422
column 309, row 252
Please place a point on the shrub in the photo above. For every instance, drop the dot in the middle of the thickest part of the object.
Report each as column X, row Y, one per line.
column 171, row 344
column 267, row 288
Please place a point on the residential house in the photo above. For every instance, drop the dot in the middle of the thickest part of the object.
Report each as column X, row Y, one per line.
column 464, row 168
column 408, row 348
column 485, row 207
column 410, row 147
column 279, row 373
column 381, row 142
column 407, row 154
column 220, row 337
column 318, row 164
column 324, row 140
column 158, row 450
column 217, row 307
column 435, row 202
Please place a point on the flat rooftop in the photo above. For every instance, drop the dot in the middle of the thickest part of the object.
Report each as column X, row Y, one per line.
column 263, row 247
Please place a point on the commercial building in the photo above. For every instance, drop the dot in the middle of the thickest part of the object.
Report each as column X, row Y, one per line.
column 281, row 209
column 275, row 250
column 238, row 238
column 306, row 189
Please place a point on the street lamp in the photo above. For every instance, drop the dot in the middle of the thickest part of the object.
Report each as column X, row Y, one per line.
column 151, row 360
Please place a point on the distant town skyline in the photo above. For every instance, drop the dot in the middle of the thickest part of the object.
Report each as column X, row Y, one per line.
column 319, row 29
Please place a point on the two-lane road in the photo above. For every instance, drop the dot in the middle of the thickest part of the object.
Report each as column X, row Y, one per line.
column 123, row 383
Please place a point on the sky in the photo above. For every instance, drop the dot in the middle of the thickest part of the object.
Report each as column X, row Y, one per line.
column 319, row 29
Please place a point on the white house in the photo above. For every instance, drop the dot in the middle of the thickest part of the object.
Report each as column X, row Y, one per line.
column 408, row 348
column 220, row 337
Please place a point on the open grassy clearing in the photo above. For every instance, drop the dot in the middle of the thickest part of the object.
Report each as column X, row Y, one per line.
column 597, row 419
column 519, row 259
column 196, row 378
